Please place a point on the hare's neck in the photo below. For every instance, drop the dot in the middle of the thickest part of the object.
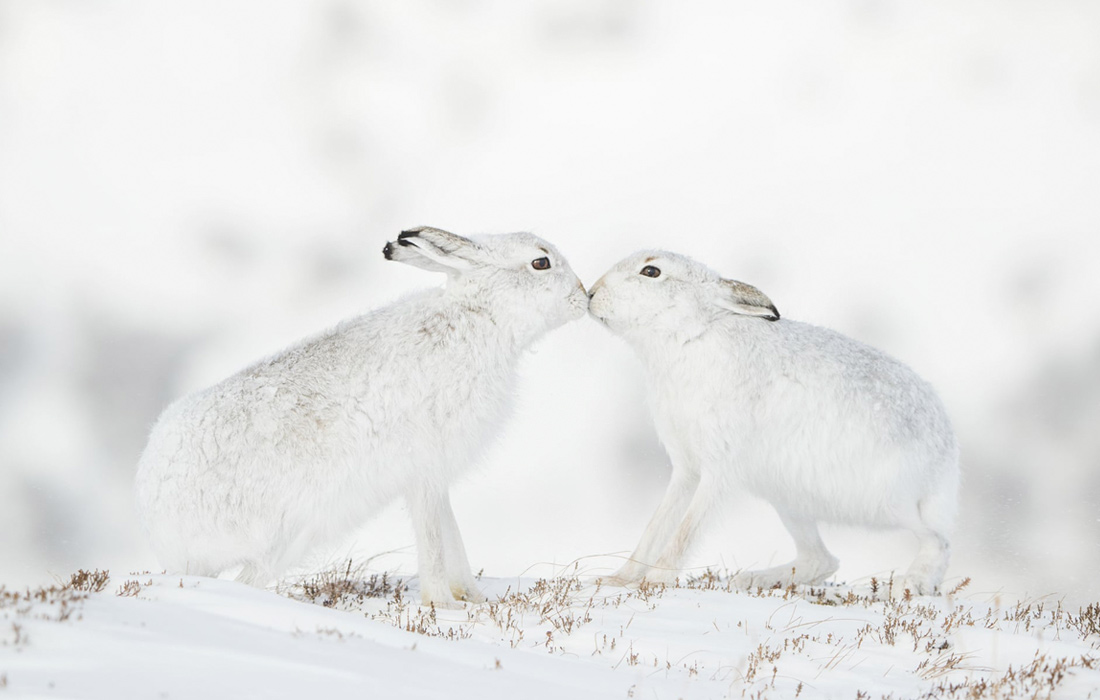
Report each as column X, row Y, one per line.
column 494, row 323
column 667, row 349
column 484, row 331
column 695, row 361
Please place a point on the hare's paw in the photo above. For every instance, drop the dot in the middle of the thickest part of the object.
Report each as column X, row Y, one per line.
column 620, row 580
column 775, row 577
column 468, row 593
column 910, row 585
column 662, row 575
column 802, row 571
column 447, row 603
column 649, row 579
column 796, row 573
column 926, row 573
column 438, row 595
column 615, row 580
column 629, row 575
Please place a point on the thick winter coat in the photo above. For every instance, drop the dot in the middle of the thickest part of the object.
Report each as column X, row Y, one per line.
column 821, row 426
column 299, row 449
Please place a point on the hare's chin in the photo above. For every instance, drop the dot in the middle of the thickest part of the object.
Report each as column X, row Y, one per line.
column 579, row 309
column 599, row 318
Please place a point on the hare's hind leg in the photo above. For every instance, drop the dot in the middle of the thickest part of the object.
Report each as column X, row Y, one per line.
column 658, row 534
column 932, row 522
column 254, row 574
column 926, row 572
column 813, row 563
column 193, row 568
column 283, row 551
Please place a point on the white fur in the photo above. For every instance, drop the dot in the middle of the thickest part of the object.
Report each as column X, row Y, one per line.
column 823, row 427
column 300, row 448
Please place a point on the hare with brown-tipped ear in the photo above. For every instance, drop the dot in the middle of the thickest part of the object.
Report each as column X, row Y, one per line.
column 821, row 426
column 298, row 449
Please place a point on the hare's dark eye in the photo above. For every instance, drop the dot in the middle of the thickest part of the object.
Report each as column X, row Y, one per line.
column 541, row 263
column 650, row 271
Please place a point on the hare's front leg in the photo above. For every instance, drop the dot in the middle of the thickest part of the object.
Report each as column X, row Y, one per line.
column 662, row 525
column 459, row 576
column 687, row 532
column 427, row 505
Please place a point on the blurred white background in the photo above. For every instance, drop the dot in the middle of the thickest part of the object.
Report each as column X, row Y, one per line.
column 185, row 187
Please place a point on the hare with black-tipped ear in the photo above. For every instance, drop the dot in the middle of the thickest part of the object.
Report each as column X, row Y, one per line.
column 298, row 449
column 823, row 427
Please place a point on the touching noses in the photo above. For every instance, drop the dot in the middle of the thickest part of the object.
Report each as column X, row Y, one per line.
column 595, row 288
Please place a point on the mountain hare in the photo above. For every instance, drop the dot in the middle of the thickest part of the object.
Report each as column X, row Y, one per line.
column 298, row 449
column 821, row 426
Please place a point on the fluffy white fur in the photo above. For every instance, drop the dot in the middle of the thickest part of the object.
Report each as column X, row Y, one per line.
column 300, row 448
column 821, row 426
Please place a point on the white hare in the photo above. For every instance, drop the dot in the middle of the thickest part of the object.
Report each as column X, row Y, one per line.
column 300, row 448
column 821, row 426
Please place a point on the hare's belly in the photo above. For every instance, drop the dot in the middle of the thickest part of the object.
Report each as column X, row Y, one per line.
column 837, row 486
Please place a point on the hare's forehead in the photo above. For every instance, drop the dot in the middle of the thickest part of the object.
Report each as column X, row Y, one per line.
column 669, row 263
column 517, row 246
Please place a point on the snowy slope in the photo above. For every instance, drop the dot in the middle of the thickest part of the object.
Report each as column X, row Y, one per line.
column 345, row 634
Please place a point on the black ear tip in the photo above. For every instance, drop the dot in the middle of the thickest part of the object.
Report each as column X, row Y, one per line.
column 409, row 233
column 775, row 314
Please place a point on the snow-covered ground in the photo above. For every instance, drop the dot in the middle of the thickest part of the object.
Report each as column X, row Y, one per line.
column 348, row 634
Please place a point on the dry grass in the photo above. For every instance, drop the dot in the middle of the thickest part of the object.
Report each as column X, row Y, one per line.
column 1035, row 681
column 58, row 602
column 89, row 581
column 552, row 612
column 347, row 587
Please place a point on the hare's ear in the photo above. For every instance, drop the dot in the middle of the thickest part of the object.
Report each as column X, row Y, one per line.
column 431, row 249
column 747, row 300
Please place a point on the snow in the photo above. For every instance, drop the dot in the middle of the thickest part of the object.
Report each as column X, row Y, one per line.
column 349, row 636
